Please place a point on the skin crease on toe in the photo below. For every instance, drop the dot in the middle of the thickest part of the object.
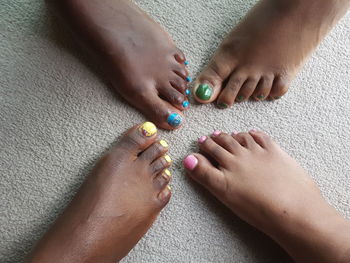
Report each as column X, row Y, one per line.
column 263, row 53
column 114, row 207
column 264, row 186
column 131, row 48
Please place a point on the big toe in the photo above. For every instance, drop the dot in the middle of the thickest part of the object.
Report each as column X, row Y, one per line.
column 202, row 171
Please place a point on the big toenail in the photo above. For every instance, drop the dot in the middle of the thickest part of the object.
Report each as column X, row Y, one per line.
column 190, row 162
column 148, row 129
column 216, row 133
column 204, row 92
column 261, row 96
column 240, row 98
column 186, row 63
column 222, row 105
column 167, row 158
column 167, row 172
column 185, row 104
column 187, row 92
column 163, row 143
column 174, row 119
column 188, row 79
column 202, row 139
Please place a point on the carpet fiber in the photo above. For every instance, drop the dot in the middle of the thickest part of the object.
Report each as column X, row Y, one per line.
column 58, row 116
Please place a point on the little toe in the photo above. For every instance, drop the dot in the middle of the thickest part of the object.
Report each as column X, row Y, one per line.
column 179, row 56
column 279, row 88
column 226, row 141
column 156, row 150
column 160, row 164
column 173, row 96
column 263, row 88
column 216, row 151
column 246, row 140
column 233, row 86
column 247, row 89
column 202, row 171
column 164, row 195
column 138, row 138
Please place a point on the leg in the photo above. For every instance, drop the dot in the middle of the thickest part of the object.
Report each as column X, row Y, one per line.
column 261, row 56
column 265, row 187
column 137, row 55
column 116, row 204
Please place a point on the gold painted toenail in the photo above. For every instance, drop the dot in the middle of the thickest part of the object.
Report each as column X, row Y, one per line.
column 167, row 158
column 163, row 143
column 167, row 172
column 148, row 129
column 168, row 186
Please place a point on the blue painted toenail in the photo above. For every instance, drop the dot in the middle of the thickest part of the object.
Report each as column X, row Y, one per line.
column 188, row 92
column 186, row 63
column 174, row 119
column 185, row 104
column 188, row 79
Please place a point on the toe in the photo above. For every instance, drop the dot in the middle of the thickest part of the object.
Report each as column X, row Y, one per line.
column 233, row 86
column 209, row 83
column 138, row 138
column 227, row 142
column 181, row 71
column 279, row 88
column 155, row 151
column 160, row 164
column 214, row 150
column 262, row 139
column 179, row 83
column 247, row 89
column 202, row 171
column 162, row 179
column 263, row 88
column 246, row 140
column 179, row 56
column 174, row 97
column 164, row 196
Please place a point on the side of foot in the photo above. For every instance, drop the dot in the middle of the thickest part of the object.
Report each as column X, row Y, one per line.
column 264, row 186
column 136, row 54
column 261, row 56
column 116, row 204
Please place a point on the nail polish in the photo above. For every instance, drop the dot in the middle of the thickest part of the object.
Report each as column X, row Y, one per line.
column 202, row 139
column 163, row 143
column 148, row 129
column 187, row 92
column 216, row 133
column 222, row 105
column 174, row 119
column 240, row 98
column 190, row 162
column 167, row 172
column 277, row 98
column 234, row 133
column 188, row 79
column 260, row 97
column 185, row 104
column 167, row 158
column 186, row 63
column 204, row 92
column 253, row 130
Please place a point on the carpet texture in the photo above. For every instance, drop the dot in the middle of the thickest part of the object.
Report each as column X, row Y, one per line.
column 58, row 116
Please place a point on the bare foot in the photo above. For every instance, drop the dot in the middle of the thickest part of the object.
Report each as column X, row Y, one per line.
column 139, row 57
column 265, row 187
column 115, row 206
column 261, row 56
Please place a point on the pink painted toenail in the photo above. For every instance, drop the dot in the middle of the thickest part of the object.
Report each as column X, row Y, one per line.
column 234, row 133
column 254, row 130
column 190, row 162
column 202, row 139
column 216, row 133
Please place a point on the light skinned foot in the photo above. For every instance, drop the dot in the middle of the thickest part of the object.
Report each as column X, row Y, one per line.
column 137, row 55
column 261, row 56
column 116, row 204
column 265, row 187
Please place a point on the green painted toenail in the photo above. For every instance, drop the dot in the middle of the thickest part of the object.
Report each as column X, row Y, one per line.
column 260, row 97
column 240, row 98
column 222, row 105
column 204, row 92
column 277, row 98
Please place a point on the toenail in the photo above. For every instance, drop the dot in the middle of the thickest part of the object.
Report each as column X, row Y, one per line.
column 169, row 187
column 202, row 139
column 188, row 79
column 167, row 158
column 240, row 98
column 216, row 133
column 148, row 129
column 222, row 105
column 167, row 172
column 204, row 92
column 254, row 130
column 190, row 162
column 186, row 63
column 163, row 143
column 277, row 98
column 260, row 97
column 174, row 119
column 187, row 92
column 234, row 133
column 185, row 104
